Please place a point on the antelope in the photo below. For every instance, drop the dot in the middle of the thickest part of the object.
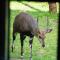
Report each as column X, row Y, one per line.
column 26, row 25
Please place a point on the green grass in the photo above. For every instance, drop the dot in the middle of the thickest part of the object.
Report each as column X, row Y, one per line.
column 39, row 53
column 42, row 6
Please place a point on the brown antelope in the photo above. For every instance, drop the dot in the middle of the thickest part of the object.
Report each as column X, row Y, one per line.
column 26, row 25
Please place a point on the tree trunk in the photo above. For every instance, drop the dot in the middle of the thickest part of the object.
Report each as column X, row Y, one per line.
column 52, row 7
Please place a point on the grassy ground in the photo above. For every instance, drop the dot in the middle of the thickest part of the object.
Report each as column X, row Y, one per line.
column 39, row 53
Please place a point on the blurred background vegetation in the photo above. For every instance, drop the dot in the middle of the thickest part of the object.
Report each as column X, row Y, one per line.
column 41, row 10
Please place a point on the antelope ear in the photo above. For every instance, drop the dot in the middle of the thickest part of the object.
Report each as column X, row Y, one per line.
column 48, row 30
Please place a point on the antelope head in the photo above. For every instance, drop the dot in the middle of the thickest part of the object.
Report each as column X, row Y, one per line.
column 42, row 35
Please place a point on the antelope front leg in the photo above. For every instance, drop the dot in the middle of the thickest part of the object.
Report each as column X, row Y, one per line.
column 30, row 42
column 21, row 49
column 22, row 37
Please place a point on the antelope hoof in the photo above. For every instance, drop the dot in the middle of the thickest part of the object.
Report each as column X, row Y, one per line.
column 13, row 48
column 21, row 57
column 30, row 58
